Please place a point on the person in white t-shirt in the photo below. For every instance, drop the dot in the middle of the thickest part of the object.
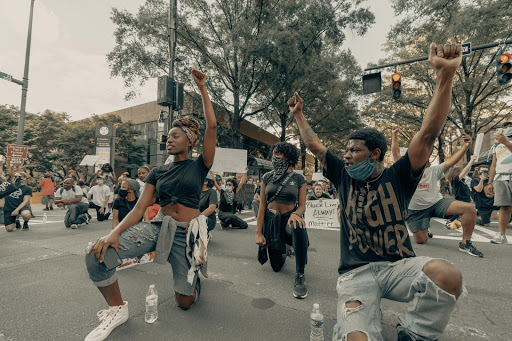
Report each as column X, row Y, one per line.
column 500, row 176
column 99, row 196
column 72, row 197
column 428, row 202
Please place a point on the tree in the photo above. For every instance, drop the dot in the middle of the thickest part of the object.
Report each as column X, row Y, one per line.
column 240, row 44
column 479, row 104
column 9, row 115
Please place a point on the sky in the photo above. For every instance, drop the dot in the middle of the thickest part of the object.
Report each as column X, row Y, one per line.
column 70, row 40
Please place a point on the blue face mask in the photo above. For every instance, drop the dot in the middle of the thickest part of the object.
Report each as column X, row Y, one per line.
column 362, row 170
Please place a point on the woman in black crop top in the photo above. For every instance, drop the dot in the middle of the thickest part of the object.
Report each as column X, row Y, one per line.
column 179, row 187
column 280, row 222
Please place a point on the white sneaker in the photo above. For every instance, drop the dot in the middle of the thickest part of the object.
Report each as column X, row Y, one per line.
column 74, row 226
column 110, row 319
column 499, row 239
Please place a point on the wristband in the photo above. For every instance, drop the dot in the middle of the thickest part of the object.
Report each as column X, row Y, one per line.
column 297, row 214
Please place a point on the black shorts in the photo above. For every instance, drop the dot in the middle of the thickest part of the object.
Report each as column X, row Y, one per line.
column 10, row 219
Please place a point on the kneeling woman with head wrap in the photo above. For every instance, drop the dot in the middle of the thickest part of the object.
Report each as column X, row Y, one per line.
column 178, row 234
column 280, row 222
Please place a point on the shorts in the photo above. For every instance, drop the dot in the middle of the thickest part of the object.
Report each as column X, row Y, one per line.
column 47, row 199
column 418, row 220
column 502, row 193
column 10, row 219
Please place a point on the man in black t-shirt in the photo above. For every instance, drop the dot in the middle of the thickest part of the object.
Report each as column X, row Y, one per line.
column 18, row 204
column 377, row 259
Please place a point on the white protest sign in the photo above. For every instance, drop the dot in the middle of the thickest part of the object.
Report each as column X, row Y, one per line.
column 403, row 150
column 229, row 160
column 89, row 160
column 478, row 144
column 322, row 214
column 317, row 177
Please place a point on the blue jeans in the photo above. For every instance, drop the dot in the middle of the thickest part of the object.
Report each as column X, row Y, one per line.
column 403, row 281
column 138, row 240
column 75, row 214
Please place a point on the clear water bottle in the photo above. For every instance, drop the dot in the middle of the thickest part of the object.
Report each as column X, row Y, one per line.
column 88, row 247
column 151, row 304
column 317, row 324
column 45, row 218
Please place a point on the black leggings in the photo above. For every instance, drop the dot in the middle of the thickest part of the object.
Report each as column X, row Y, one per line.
column 298, row 238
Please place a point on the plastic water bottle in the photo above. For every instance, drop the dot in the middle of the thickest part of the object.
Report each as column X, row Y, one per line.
column 88, row 247
column 151, row 304
column 317, row 324
column 45, row 218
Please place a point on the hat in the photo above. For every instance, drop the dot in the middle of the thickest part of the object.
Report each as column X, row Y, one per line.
column 504, row 124
column 134, row 185
column 71, row 171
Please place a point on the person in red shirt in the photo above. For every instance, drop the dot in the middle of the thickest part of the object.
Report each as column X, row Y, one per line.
column 47, row 185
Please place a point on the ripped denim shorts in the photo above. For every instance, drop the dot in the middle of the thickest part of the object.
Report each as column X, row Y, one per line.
column 138, row 240
column 403, row 281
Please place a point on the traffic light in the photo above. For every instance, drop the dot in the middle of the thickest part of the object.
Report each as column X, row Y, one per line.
column 162, row 139
column 396, row 80
column 504, row 68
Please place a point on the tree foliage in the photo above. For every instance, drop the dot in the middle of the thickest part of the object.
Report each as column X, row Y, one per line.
column 479, row 104
column 241, row 45
column 56, row 144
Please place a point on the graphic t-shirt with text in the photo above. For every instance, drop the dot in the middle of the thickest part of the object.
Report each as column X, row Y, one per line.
column 373, row 215
column 13, row 200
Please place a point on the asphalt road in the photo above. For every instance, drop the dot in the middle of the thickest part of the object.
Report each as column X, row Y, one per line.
column 47, row 295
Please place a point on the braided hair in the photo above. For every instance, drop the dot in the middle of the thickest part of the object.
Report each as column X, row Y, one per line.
column 191, row 128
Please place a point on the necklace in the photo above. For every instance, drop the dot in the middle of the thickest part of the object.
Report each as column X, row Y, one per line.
column 369, row 182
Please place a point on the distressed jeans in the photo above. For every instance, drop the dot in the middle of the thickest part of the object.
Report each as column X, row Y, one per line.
column 404, row 281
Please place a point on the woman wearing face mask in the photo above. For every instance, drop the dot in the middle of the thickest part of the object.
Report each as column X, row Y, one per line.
column 228, row 204
column 280, row 222
column 178, row 233
column 126, row 200
column 208, row 202
column 318, row 193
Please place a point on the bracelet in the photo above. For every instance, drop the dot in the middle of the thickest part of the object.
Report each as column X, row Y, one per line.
column 297, row 214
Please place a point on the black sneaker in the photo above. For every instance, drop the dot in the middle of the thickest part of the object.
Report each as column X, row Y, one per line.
column 430, row 234
column 480, row 222
column 51, row 208
column 18, row 224
column 300, row 290
column 25, row 226
column 470, row 249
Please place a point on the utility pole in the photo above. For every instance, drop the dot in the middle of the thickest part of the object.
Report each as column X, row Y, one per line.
column 173, row 8
column 24, row 87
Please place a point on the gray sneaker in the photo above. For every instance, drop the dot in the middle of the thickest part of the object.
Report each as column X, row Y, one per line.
column 74, row 226
column 300, row 290
column 499, row 239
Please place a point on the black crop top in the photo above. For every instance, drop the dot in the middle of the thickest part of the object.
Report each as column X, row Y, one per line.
column 290, row 192
column 179, row 182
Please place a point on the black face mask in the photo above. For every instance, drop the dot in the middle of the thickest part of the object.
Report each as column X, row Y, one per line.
column 81, row 183
column 123, row 193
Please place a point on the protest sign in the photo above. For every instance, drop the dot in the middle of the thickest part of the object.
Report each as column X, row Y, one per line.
column 89, row 160
column 478, row 144
column 317, row 177
column 246, row 193
column 322, row 214
column 229, row 160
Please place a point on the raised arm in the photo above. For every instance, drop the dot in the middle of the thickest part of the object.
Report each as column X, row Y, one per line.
column 466, row 169
column 395, row 148
column 215, row 183
column 313, row 143
column 501, row 138
column 210, row 135
column 445, row 60
column 459, row 154
column 243, row 180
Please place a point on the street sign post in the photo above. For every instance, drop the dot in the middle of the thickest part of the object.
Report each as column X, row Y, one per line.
column 6, row 76
column 17, row 154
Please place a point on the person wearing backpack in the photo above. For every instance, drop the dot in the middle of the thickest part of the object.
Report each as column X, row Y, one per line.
column 71, row 195
column 280, row 218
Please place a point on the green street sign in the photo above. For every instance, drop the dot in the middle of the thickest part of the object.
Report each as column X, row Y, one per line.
column 6, row 76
